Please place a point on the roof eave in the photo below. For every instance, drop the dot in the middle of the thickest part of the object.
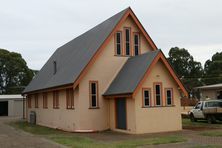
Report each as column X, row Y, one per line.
column 119, row 95
column 49, row 89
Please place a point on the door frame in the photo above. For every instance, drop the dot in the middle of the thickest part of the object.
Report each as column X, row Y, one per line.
column 115, row 102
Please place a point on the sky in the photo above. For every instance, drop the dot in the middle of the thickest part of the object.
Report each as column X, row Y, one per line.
column 36, row 28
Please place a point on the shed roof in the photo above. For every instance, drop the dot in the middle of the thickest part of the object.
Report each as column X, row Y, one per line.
column 131, row 74
column 14, row 96
column 73, row 57
column 210, row 86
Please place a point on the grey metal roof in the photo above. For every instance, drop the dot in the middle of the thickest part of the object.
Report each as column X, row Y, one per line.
column 72, row 57
column 210, row 86
column 131, row 73
column 14, row 96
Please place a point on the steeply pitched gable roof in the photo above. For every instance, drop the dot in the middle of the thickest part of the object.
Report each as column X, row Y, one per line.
column 72, row 57
column 131, row 74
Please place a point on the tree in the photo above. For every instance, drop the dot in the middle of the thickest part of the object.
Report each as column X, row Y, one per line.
column 213, row 69
column 14, row 72
column 189, row 71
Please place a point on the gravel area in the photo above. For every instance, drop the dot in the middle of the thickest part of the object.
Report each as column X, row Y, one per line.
column 13, row 138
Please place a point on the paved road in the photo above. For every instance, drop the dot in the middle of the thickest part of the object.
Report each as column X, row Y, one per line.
column 13, row 138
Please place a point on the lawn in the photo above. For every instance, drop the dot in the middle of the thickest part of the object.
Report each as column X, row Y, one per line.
column 207, row 146
column 211, row 130
column 80, row 140
column 187, row 124
column 212, row 133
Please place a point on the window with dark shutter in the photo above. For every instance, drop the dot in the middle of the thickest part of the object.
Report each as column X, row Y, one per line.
column 127, row 41
column 93, row 94
column 45, row 100
column 69, row 98
column 169, row 96
column 158, row 95
column 29, row 100
column 56, row 99
column 146, row 97
column 136, row 44
column 118, row 43
column 36, row 101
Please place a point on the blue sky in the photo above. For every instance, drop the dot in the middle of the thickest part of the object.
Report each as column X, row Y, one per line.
column 37, row 28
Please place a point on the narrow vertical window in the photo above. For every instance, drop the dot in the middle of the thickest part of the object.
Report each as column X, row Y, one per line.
column 93, row 94
column 29, row 100
column 54, row 67
column 169, row 96
column 118, row 43
column 69, row 98
column 158, row 94
column 136, row 44
column 55, row 99
column 146, row 98
column 36, row 101
column 45, row 100
column 127, row 41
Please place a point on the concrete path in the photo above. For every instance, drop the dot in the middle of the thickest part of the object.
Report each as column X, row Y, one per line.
column 13, row 138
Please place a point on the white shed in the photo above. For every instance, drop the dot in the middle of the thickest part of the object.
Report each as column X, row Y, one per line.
column 11, row 105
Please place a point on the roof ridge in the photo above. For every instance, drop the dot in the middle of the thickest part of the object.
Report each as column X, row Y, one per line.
column 94, row 27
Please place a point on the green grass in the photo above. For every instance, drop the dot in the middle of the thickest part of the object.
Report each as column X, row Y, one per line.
column 207, row 146
column 201, row 123
column 212, row 133
column 80, row 141
column 34, row 129
column 149, row 141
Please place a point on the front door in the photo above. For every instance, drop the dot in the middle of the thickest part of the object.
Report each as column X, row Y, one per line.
column 121, row 113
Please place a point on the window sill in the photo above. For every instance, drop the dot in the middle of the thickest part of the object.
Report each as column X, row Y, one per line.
column 158, row 106
column 170, row 105
column 45, row 107
column 146, row 106
column 70, row 108
column 94, row 107
column 55, row 107
column 123, row 55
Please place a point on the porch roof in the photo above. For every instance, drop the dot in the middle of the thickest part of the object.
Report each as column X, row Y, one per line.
column 130, row 75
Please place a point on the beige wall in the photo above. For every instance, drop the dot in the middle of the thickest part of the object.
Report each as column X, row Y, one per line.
column 158, row 119
column 61, row 118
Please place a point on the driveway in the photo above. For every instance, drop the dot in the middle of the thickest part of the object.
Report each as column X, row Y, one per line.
column 12, row 138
